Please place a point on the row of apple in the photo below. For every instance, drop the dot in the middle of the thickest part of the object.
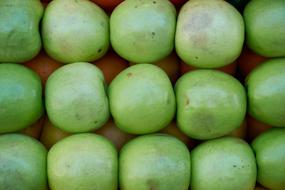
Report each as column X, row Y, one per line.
column 141, row 99
column 156, row 161
column 208, row 34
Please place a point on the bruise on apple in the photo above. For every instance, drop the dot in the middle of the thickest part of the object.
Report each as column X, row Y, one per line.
column 151, row 184
column 196, row 27
column 129, row 75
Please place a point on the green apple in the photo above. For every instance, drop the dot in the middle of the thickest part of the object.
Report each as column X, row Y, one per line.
column 20, row 38
column 210, row 104
column 154, row 162
column 142, row 31
column 76, row 100
column 83, row 161
column 20, row 97
column 22, row 163
column 265, row 27
column 269, row 148
column 266, row 92
column 225, row 163
column 142, row 99
column 75, row 30
column 209, row 34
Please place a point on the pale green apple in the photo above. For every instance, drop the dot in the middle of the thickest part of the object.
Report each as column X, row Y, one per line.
column 76, row 100
column 209, row 34
column 226, row 163
column 22, row 163
column 75, row 30
column 265, row 27
column 210, row 104
column 156, row 162
column 20, row 38
column 269, row 148
column 83, row 161
column 142, row 31
column 20, row 97
column 266, row 92
column 142, row 99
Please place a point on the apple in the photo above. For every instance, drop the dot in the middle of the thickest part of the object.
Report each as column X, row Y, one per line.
column 209, row 34
column 223, row 163
column 142, row 31
column 154, row 161
column 19, row 30
column 266, row 92
column 22, row 163
column 210, row 104
column 20, row 97
column 76, row 100
column 111, row 65
column 265, row 27
column 75, row 30
column 114, row 134
column 83, row 161
column 142, row 99
column 269, row 148
column 50, row 134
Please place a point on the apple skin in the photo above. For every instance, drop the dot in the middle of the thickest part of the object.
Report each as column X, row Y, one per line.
column 269, row 148
column 266, row 92
column 210, row 104
column 209, row 34
column 142, row 99
column 83, row 161
column 22, row 163
column 155, row 161
column 75, row 30
column 142, row 31
column 20, row 97
column 265, row 27
column 76, row 100
column 223, row 163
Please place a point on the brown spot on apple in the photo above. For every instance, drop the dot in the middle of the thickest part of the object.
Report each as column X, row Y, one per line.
column 151, row 184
